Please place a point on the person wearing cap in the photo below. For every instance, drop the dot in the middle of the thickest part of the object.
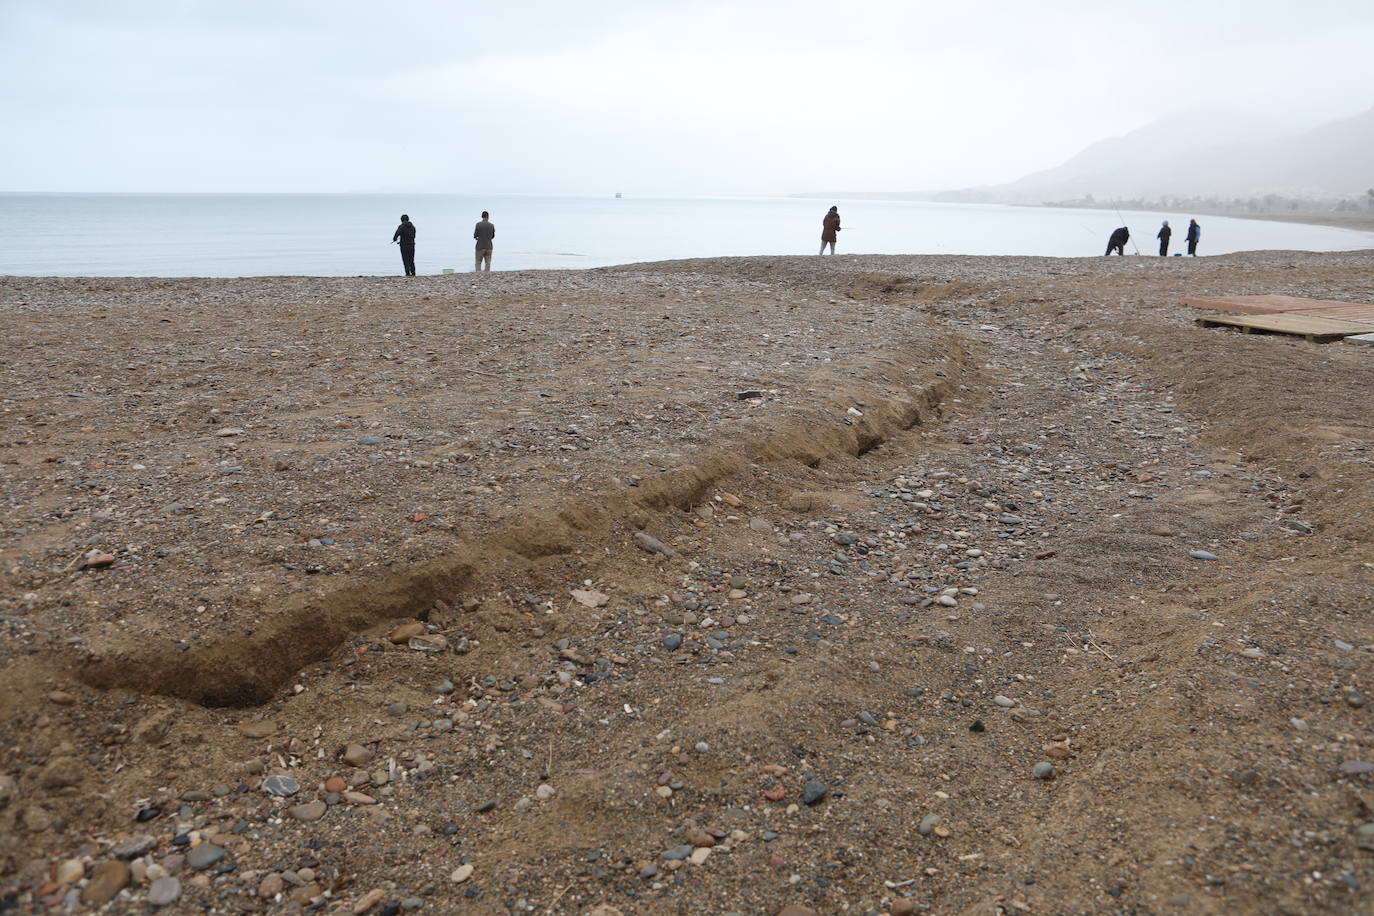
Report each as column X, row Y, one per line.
column 830, row 229
column 1163, row 235
column 484, row 233
column 405, row 235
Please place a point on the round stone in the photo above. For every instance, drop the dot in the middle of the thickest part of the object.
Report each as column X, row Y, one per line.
column 203, row 856
column 164, row 891
column 308, row 812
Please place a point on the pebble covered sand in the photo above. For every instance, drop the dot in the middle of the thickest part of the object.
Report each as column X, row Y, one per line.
column 762, row 585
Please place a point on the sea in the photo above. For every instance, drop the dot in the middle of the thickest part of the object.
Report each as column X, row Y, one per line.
column 236, row 235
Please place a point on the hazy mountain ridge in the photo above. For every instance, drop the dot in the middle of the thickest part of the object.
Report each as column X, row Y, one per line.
column 1204, row 153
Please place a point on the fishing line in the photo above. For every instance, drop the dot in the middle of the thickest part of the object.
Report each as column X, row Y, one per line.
column 1123, row 222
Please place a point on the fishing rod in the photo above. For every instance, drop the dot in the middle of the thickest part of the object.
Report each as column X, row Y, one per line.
column 1123, row 222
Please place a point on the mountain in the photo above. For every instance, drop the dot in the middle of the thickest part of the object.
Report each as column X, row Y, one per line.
column 1204, row 153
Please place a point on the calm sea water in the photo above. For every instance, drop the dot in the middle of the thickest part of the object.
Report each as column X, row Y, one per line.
column 219, row 235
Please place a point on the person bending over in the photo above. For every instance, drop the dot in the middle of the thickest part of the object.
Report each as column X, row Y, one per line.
column 1118, row 241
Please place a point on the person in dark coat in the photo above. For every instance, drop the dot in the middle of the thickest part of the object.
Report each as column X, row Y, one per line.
column 830, row 228
column 1118, row 241
column 1163, row 235
column 1194, row 236
column 405, row 235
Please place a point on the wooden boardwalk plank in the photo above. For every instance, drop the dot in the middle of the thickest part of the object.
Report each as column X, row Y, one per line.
column 1360, row 314
column 1313, row 328
column 1357, row 312
column 1263, row 305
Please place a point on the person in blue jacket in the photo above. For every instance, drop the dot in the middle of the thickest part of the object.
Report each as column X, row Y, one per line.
column 1194, row 236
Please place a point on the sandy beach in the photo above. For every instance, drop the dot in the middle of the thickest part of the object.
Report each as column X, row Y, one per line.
column 864, row 584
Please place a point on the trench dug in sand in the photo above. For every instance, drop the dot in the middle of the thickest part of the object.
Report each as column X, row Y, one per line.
column 245, row 671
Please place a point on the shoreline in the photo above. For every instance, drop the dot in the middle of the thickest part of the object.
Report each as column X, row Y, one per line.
column 675, row 263
column 1356, row 222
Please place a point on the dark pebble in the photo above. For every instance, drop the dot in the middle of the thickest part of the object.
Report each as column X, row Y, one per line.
column 203, row 856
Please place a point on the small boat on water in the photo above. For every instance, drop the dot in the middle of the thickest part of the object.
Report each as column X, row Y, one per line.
column 617, row 195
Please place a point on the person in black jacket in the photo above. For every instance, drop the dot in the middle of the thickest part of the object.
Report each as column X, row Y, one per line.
column 1194, row 236
column 405, row 234
column 1164, row 233
column 1118, row 241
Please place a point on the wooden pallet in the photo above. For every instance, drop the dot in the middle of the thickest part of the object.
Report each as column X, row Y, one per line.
column 1315, row 329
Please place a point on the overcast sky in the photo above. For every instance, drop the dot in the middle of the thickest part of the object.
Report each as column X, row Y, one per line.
column 641, row 96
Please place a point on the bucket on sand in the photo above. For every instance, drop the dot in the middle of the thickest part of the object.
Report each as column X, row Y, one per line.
column 447, row 270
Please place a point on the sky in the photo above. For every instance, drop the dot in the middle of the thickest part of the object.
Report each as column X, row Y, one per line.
column 641, row 96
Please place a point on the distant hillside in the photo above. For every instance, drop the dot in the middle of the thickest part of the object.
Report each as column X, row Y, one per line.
column 1204, row 153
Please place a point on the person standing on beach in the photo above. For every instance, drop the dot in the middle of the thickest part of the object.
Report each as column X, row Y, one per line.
column 1164, row 233
column 405, row 235
column 484, row 233
column 1194, row 236
column 1118, row 241
column 830, row 229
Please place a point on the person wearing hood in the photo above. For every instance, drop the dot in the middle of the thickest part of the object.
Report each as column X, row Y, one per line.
column 1164, row 233
column 405, row 236
column 1194, row 236
column 830, row 228
column 1118, row 241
